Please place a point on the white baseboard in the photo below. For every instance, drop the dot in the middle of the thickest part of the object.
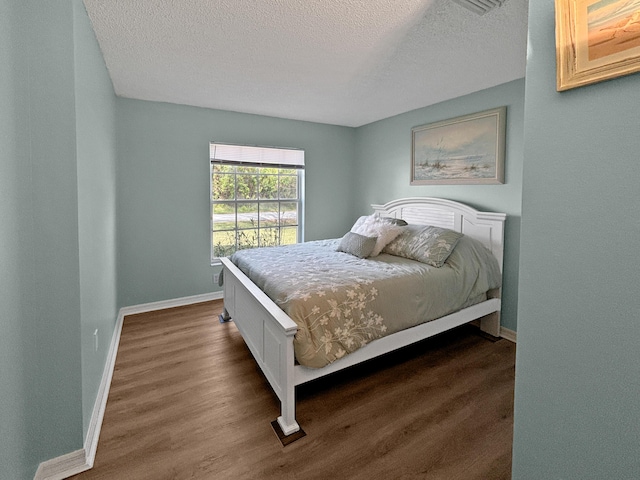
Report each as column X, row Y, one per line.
column 176, row 302
column 93, row 434
column 81, row 460
column 508, row 334
column 63, row 466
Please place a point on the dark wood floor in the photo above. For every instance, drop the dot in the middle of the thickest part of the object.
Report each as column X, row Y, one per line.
column 187, row 401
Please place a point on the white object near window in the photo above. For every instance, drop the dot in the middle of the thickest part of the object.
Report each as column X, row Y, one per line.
column 256, row 197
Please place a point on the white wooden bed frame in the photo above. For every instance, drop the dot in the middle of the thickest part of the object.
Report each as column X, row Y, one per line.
column 269, row 332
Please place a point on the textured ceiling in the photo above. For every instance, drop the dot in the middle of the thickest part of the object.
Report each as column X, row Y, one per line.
column 343, row 62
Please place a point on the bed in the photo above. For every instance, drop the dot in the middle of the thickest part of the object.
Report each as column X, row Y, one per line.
column 274, row 337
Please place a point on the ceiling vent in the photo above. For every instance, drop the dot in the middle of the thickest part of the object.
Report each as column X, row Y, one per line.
column 480, row 6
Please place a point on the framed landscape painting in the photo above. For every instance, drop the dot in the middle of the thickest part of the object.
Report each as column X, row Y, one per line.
column 596, row 40
column 462, row 150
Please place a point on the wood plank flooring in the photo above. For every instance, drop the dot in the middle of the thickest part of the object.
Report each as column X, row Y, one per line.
column 187, row 401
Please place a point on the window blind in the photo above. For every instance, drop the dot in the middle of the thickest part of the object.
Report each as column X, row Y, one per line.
column 256, row 156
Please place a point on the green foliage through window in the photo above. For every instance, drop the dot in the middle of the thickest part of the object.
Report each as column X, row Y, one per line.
column 253, row 207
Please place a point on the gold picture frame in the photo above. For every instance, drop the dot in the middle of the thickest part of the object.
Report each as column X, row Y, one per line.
column 463, row 150
column 596, row 40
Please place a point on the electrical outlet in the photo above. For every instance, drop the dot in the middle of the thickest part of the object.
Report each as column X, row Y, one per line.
column 216, row 278
column 95, row 340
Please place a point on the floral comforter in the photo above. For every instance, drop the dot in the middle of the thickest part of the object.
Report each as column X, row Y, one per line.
column 341, row 302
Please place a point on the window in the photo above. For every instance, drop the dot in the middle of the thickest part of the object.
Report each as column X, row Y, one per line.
column 256, row 197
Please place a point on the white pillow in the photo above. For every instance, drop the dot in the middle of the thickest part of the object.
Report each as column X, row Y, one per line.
column 375, row 226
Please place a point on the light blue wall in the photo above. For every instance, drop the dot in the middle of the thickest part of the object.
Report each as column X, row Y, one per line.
column 96, row 157
column 577, row 401
column 383, row 155
column 40, row 383
column 16, row 320
column 57, row 244
column 163, row 190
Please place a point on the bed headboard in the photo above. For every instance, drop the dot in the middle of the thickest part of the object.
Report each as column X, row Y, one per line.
column 486, row 227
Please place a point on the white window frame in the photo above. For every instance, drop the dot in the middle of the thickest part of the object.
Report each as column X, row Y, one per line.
column 261, row 157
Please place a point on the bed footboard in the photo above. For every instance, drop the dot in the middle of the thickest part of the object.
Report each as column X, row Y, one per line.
column 268, row 332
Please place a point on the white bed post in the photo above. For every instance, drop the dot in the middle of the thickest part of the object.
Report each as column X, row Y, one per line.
column 287, row 420
column 269, row 333
column 491, row 324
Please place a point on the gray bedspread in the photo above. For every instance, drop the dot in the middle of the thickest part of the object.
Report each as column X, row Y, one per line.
column 341, row 302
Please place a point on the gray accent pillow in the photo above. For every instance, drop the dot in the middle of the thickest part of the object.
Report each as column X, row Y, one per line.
column 357, row 244
column 375, row 226
column 424, row 243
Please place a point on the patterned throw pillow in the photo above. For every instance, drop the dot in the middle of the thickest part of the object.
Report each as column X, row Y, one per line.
column 376, row 226
column 424, row 243
column 357, row 244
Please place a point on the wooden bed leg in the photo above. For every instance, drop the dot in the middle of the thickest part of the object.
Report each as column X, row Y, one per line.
column 224, row 317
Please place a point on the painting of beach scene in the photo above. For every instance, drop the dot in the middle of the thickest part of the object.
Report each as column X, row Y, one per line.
column 596, row 40
column 613, row 27
column 462, row 150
